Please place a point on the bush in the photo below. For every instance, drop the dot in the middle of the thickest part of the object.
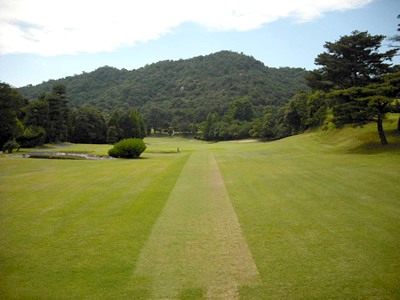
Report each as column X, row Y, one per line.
column 33, row 136
column 128, row 148
column 10, row 146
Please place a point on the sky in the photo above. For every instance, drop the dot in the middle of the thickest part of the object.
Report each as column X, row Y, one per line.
column 51, row 39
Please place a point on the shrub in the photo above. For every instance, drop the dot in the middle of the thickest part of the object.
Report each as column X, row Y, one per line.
column 128, row 148
column 33, row 136
column 10, row 145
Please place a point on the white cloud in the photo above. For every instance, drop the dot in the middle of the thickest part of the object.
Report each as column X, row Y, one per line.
column 52, row 27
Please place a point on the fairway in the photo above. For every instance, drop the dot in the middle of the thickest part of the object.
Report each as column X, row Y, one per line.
column 197, row 242
column 309, row 216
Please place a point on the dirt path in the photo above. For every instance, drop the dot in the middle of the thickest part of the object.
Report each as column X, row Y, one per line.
column 197, row 243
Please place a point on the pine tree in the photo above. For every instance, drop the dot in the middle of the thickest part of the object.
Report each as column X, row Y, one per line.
column 353, row 60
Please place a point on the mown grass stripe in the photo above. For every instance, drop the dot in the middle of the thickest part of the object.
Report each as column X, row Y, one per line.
column 78, row 226
column 197, row 243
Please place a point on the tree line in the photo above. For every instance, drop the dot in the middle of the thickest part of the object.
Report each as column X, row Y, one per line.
column 355, row 84
column 51, row 119
column 176, row 94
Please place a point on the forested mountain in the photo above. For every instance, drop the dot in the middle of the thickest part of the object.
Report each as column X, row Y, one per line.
column 199, row 85
column 220, row 96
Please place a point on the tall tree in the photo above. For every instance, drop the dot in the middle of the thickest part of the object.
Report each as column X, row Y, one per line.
column 11, row 102
column 316, row 106
column 88, row 126
column 36, row 120
column 353, row 60
column 296, row 113
column 134, row 120
column 36, row 113
column 131, row 125
column 112, row 135
column 209, row 128
column 114, row 128
column 360, row 105
column 142, row 127
column 58, row 114
column 396, row 40
column 155, row 118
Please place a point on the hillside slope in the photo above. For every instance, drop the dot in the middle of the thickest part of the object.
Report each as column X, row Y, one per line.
column 350, row 139
column 205, row 81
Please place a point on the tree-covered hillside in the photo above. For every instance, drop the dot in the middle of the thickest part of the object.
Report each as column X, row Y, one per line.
column 221, row 96
column 202, row 84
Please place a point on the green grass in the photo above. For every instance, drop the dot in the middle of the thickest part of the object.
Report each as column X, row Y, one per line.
column 73, row 229
column 197, row 241
column 321, row 222
column 156, row 145
column 318, row 213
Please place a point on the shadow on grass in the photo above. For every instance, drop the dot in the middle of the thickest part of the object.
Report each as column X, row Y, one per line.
column 393, row 137
column 192, row 293
column 162, row 152
column 132, row 158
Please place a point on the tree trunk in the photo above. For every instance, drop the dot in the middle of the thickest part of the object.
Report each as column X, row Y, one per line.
column 381, row 132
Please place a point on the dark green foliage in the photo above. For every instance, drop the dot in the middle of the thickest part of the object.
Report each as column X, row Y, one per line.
column 355, row 75
column 33, row 136
column 209, row 130
column 51, row 119
column 57, row 127
column 234, row 131
column 316, row 109
column 226, row 129
column 37, row 113
column 19, row 129
column 87, row 125
column 271, row 125
column 131, row 125
column 154, row 118
column 396, row 109
column 114, row 120
column 303, row 111
column 353, row 60
column 172, row 96
column 128, row 148
column 360, row 105
column 11, row 102
column 135, row 126
column 185, row 90
column 43, row 120
column 113, row 135
column 142, row 127
column 83, row 89
column 242, row 110
column 10, row 145
column 127, row 126
column 296, row 113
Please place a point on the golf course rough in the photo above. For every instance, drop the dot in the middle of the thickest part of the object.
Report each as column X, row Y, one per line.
column 197, row 242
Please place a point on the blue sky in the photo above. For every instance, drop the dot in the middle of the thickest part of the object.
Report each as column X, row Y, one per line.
column 36, row 44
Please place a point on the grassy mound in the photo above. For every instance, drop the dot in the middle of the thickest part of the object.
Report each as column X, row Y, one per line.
column 364, row 139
